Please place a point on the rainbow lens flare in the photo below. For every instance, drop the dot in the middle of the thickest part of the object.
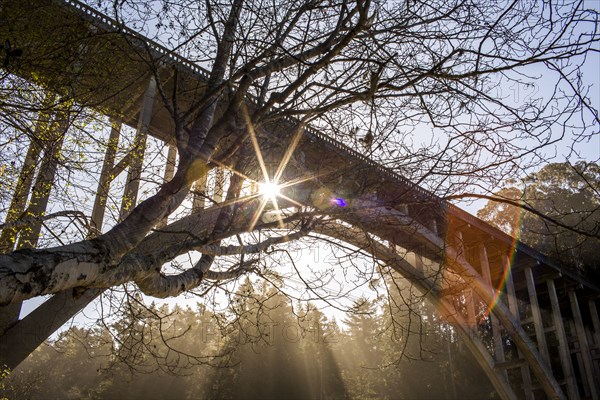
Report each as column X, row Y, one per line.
column 338, row 201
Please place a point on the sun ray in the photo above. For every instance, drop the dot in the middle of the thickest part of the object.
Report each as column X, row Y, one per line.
column 291, row 200
column 273, row 193
column 233, row 171
column 279, row 219
column 263, row 168
column 257, row 214
column 255, row 145
column 288, row 153
column 238, row 200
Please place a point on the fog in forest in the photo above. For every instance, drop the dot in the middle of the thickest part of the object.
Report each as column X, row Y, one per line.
column 264, row 346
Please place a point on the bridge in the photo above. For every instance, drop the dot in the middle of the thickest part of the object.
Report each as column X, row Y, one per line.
column 532, row 325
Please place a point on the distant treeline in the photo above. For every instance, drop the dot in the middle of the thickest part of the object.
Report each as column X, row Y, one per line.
column 263, row 347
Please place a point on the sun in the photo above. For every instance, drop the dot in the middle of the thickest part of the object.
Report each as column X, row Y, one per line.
column 269, row 190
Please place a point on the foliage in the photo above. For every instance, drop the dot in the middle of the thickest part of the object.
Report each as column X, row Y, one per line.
column 564, row 194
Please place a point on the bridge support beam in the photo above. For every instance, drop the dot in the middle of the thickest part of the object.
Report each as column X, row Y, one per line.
column 25, row 180
column 595, row 337
column 219, row 192
column 434, row 226
column 418, row 262
column 513, row 306
column 584, row 347
column 563, row 342
column 200, row 193
column 595, row 321
column 9, row 315
column 134, row 174
column 45, row 179
column 105, row 179
column 51, row 136
column 18, row 338
column 168, row 175
column 478, row 350
column 22, row 337
column 496, row 330
column 509, row 318
column 430, row 286
column 537, row 316
column 468, row 296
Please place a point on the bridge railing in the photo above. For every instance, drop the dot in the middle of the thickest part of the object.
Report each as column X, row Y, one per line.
column 310, row 131
column 112, row 24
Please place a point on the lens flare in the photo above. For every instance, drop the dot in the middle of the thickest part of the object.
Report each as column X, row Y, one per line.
column 338, row 201
column 508, row 262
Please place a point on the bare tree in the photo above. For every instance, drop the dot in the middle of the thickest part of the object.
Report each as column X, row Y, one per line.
column 425, row 88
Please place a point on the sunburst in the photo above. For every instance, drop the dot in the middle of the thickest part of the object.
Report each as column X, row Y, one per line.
column 270, row 189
